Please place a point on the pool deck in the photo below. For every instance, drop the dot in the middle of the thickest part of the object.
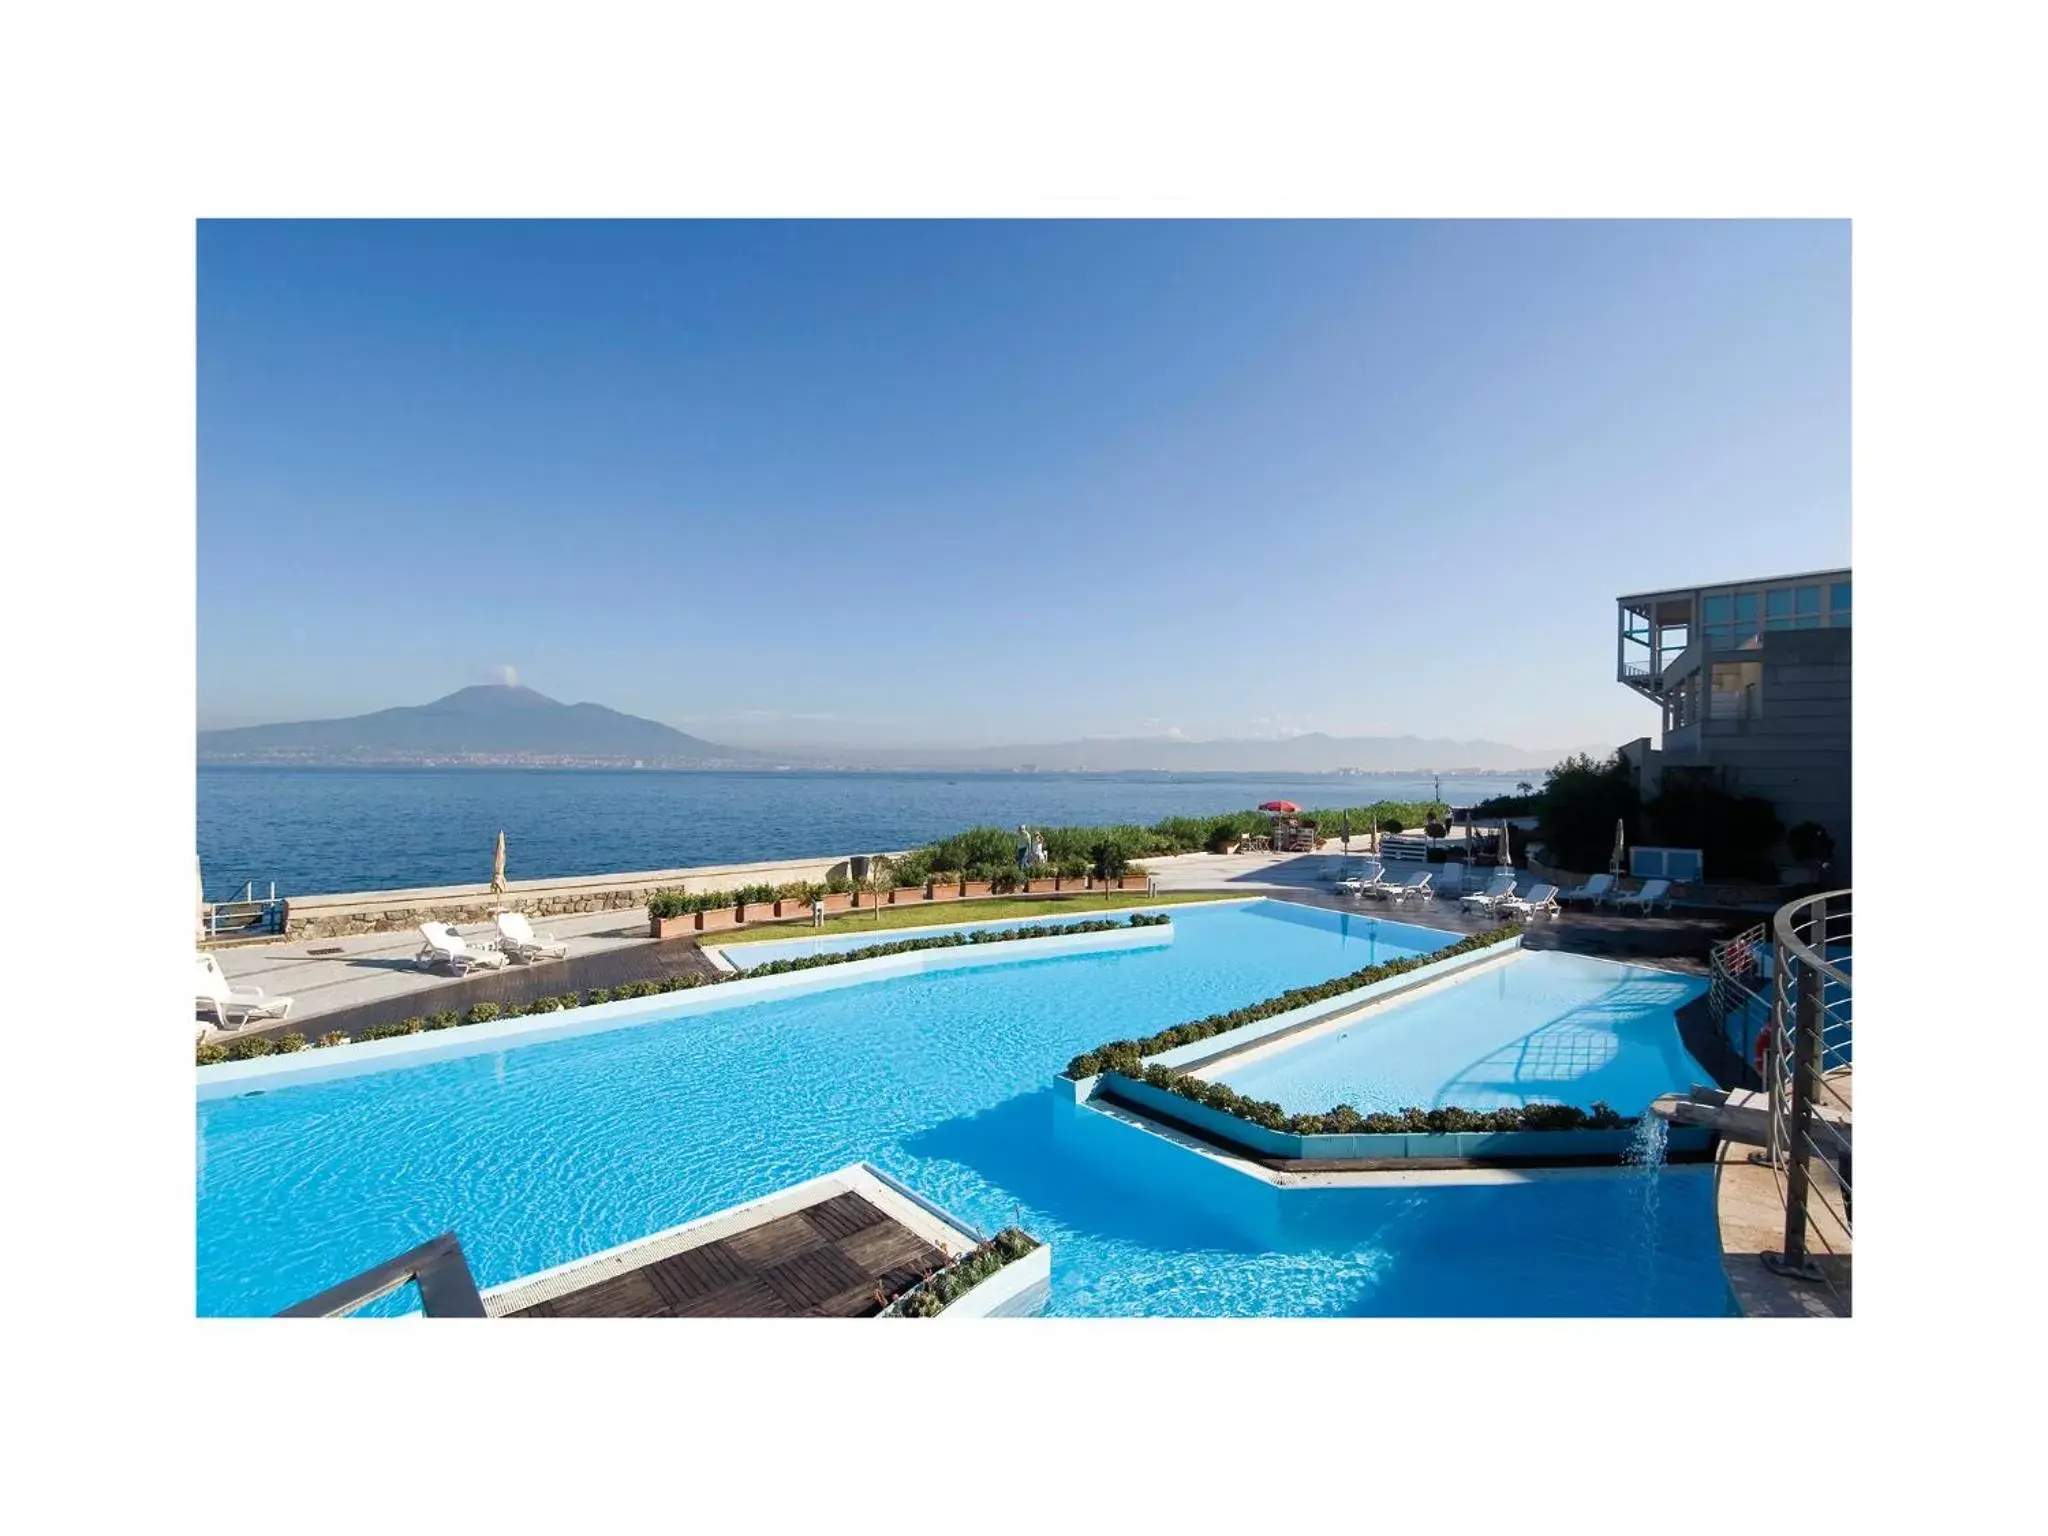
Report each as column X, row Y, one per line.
column 831, row 1247
column 351, row 984
column 1751, row 1210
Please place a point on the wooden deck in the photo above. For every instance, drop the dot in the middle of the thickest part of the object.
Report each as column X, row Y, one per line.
column 839, row 1257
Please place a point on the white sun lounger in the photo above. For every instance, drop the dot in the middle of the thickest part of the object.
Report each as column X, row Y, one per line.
column 516, row 936
column 1356, row 885
column 1541, row 898
column 231, row 1002
column 445, row 946
column 1646, row 899
column 1498, row 889
column 1416, row 885
column 1597, row 889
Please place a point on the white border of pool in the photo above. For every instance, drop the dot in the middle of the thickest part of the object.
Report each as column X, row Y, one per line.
column 718, row 956
column 230, row 1079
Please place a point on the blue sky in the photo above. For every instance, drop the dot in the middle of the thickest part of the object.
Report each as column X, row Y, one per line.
column 979, row 483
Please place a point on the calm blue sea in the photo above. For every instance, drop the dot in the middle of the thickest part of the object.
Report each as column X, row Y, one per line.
column 320, row 830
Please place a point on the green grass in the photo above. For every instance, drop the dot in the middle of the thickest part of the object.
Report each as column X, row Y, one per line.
column 934, row 914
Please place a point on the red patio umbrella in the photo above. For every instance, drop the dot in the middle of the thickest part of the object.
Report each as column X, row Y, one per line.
column 1284, row 807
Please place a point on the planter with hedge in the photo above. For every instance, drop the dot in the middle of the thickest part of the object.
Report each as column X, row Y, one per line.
column 937, row 1291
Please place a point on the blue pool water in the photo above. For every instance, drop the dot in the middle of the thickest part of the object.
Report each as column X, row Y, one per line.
column 1541, row 1028
column 541, row 1153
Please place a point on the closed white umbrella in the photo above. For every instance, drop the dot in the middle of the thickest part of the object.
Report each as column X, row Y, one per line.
column 1620, row 838
column 498, row 866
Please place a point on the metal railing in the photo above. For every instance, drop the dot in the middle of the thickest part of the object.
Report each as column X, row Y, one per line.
column 245, row 914
column 1736, row 980
column 437, row 1267
column 1809, row 1076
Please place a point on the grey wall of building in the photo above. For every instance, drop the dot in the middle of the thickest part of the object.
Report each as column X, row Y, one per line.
column 1797, row 753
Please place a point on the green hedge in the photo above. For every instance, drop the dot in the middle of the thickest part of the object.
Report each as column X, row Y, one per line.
column 1128, row 1056
column 482, row 1013
column 1345, row 1120
column 955, row 941
column 940, row 1289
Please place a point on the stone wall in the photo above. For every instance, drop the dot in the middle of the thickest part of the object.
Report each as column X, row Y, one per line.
column 325, row 917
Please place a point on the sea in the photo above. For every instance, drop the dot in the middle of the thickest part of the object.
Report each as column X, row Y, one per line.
column 327, row 831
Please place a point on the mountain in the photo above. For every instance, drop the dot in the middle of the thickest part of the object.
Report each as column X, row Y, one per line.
column 1312, row 753
column 490, row 722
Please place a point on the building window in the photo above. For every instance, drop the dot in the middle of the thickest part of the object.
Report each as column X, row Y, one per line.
column 1718, row 610
column 1838, row 605
column 1806, row 600
column 1778, row 604
column 1738, row 688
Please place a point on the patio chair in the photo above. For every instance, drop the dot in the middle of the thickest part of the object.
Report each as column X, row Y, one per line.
column 517, row 938
column 1595, row 890
column 228, row 1001
column 1541, row 898
column 444, row 946
column 1498, row 889
column 1646, row 899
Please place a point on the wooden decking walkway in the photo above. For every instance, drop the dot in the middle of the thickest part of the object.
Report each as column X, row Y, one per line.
column 840, row 1255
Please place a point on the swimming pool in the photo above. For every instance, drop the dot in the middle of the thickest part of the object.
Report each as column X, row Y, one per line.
column 540, row 1153
column 1540, row 1027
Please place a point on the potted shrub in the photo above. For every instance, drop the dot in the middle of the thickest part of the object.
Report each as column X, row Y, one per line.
column 756, row 902
column 793, row 899
column 979, row 882
column 901, row 894
column 717, row 909
column 837, row 893
column 670, row 915
column 945, row 885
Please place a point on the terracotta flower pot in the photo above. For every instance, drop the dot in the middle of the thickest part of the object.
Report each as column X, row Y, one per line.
column 944, row 890
column 976, row 888
column 839, row 901
column 672, row 927
column 716, row 918
column 902, row 894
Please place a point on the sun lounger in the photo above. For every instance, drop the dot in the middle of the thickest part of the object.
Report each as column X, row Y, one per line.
column 1541, row 898
column 1596, row 890
column 1416, row 885
column 228, row 1001
column 1356, row 884
column 444, row 946
column 517, row 938
column 1646, row 899
column 1497, row 889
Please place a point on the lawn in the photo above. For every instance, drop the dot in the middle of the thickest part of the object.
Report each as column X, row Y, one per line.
column 930, row 914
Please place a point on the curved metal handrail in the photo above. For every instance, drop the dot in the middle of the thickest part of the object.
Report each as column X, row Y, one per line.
column 1811, row 1145
column 1784, row 930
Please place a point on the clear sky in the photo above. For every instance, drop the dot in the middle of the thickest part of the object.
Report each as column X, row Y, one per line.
column 986, row 483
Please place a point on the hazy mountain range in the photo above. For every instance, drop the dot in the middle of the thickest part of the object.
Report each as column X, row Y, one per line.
column 498, row 723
